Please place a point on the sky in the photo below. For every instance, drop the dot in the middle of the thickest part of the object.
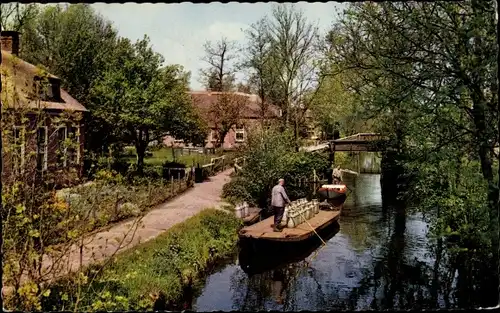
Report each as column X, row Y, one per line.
column 178, row 31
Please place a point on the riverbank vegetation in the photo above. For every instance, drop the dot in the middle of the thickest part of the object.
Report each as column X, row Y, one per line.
column 430, row 84
column 42, row 226
column 269, row 156
column 155, row 274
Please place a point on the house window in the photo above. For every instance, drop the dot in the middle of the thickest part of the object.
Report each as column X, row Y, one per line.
column 68, row 146
column 18, row 149
column 47, row 89
column 41, row 151
column 240, row 134
column 214, row 136
column 55, row 89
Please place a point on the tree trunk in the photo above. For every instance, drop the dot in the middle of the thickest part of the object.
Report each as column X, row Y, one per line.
column 222, row 136
column 141, row 153
column 480, row 107
column 141, row 143
column 487, row 171
column 296, row 134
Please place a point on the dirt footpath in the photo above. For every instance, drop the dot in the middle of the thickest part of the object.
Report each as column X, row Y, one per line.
column 101, row 245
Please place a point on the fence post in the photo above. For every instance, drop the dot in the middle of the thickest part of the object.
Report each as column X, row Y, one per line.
column 149, row 189
column 172, row 184
column 179, row 180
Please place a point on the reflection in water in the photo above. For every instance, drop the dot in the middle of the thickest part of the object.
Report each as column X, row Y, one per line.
column 379, row 259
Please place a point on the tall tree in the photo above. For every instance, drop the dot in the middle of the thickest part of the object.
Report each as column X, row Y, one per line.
column 76, row 44
column 428, row 71
column 293, row 40
column 284, row 47
column 142, row 100
column 257, row 61
column 219, row 75
column 336, row 108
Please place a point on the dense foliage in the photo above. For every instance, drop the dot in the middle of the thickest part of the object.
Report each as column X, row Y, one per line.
column 425, row 74
column 269, row 156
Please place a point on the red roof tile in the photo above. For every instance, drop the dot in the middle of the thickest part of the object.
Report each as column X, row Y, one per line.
column 205, row 99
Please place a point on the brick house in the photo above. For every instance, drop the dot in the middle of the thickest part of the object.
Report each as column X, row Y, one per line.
column 43, row 125
column 250, row 118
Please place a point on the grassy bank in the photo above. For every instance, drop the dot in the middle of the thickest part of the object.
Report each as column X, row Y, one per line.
column 155, row 272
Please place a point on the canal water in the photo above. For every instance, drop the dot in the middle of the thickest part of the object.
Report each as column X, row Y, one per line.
column 376, row 259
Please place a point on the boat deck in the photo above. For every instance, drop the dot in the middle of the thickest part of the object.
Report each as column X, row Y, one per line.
column 264, row 230
column 252, row 217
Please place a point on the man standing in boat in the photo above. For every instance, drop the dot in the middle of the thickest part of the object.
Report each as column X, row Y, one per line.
column 278, row 201
column 337, row 175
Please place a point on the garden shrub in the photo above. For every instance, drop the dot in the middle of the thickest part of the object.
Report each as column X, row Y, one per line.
column 269, row 156
column 112, row 198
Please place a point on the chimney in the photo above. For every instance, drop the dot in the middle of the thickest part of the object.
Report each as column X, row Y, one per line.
column 10, row 41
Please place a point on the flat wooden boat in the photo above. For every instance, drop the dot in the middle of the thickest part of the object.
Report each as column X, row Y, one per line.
column 258, row 256
column 264, row 231
column 253, row 217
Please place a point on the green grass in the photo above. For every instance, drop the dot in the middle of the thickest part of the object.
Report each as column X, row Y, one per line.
column 162, row 266
column 163, row 155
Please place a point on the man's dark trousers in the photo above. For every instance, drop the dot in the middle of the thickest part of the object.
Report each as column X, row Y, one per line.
column 278, row 215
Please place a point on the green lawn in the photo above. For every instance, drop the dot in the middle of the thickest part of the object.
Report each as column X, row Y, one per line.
column 162, row 155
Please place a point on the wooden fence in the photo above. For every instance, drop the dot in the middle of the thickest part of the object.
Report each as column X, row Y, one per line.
column 216, row 165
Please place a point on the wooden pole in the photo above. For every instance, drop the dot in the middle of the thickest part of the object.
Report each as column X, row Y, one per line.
column 314, row 179
column 359, row 163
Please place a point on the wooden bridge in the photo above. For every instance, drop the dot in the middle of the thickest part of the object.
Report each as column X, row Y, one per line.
column 362, row 142
column 369, row 142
